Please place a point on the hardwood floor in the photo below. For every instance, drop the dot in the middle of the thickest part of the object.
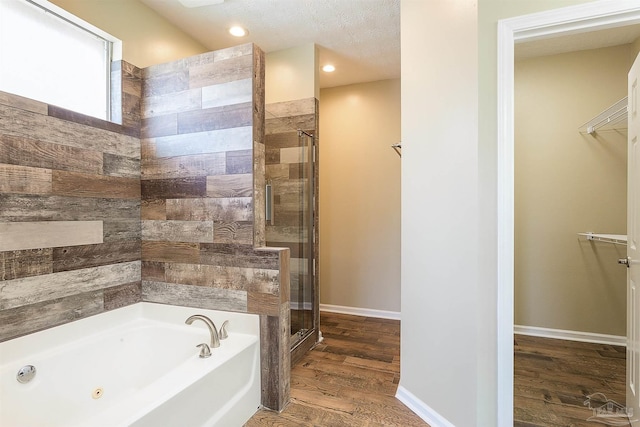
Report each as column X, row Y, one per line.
column 350, row 379
column 554, row 377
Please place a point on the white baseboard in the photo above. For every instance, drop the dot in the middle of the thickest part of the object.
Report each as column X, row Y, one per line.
column 355, row 311
column 421, row 409
column 570, row 335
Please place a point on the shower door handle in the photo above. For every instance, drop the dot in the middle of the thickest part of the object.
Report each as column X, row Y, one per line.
column 268, row 204
column 625, row 261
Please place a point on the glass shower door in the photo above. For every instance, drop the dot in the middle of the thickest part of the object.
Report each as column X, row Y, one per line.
column 290, row 218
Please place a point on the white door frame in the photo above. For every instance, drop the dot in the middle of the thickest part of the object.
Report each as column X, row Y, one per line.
column 591, row 16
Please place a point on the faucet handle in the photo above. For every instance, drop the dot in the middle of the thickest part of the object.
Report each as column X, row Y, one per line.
column 205, row 351
column 223, row 331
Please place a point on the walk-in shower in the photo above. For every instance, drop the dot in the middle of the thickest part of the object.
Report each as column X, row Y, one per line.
column 291, row 214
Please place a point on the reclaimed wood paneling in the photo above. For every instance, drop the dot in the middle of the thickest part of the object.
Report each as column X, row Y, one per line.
column 26, row 319
column 222, row 277
column 288, row 109
column 30, row 262
column 184, row 166
column 238, row 256
column 293, row 155
column 58, row 208
column 227, row 209
column 126, row 92
column 233, row 92
column 170, row 252
column 277, row 140
column 238, row 185
column 275, row 359
column 15, row 236
column 172, row 102
column 122, row 166
column 174, row 188
column 259, row 196
column 222, row 71
column 151, row 127
column 287, row 124
column 53, row 130
column 23, row 103
column 83, row 119
column 194, row 296
column 121, row 229
column 161, row 84
column 24, row 151
column 123, row 295
column 178, row 231
column 213, row 141
column 85, row 185
column 153, row 209
column 153, row 271
column 31, row 290
column 240, row 161
column 258, row 302
column 223, row 54
column 276, row 172
column 229, row 116
column 78, row 257
column 24, row 180
column 240, row 232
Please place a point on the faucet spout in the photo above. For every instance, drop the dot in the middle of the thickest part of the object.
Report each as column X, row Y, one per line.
column 215, row 340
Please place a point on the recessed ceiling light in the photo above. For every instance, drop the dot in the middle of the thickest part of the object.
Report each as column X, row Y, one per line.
column 328, row 68
column 238, row 31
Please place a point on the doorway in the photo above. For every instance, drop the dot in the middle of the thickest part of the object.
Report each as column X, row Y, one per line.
column 569, row 291
column 554, row 23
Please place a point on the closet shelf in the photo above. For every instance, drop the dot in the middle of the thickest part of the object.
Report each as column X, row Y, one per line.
column 616, row 239
column 612, row 115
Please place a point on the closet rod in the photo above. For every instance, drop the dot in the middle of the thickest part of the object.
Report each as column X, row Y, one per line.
column 616, row 239
column 614, row 114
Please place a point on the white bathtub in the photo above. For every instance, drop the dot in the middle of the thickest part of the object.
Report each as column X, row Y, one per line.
column 142, row 362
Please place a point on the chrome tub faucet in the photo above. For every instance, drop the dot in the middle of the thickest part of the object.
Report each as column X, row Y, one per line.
column 215, row 340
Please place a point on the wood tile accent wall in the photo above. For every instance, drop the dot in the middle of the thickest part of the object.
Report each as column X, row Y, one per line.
column 203, row 199
column 69, row 210
column 93, row 218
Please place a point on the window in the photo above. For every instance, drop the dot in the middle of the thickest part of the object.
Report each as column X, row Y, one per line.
column 52, row 56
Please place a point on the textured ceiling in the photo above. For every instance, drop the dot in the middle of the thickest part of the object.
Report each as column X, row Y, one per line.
column 360, row 37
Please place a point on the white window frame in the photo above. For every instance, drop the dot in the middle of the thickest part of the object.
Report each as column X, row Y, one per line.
column 114, row 50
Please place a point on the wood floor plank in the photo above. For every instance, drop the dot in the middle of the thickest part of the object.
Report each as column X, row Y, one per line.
column 350, row 379
column 554, row 377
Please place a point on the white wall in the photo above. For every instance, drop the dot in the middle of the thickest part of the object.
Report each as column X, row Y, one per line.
column 449, row 199
column 292, row 74
column 360, row 196
column 440, row 205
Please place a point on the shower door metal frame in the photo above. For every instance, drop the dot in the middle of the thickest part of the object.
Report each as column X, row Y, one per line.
column 310, row 338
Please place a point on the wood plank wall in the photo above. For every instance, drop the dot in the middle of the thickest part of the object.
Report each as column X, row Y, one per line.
column 203, row 199
column 69, row 209
column 285, row 160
